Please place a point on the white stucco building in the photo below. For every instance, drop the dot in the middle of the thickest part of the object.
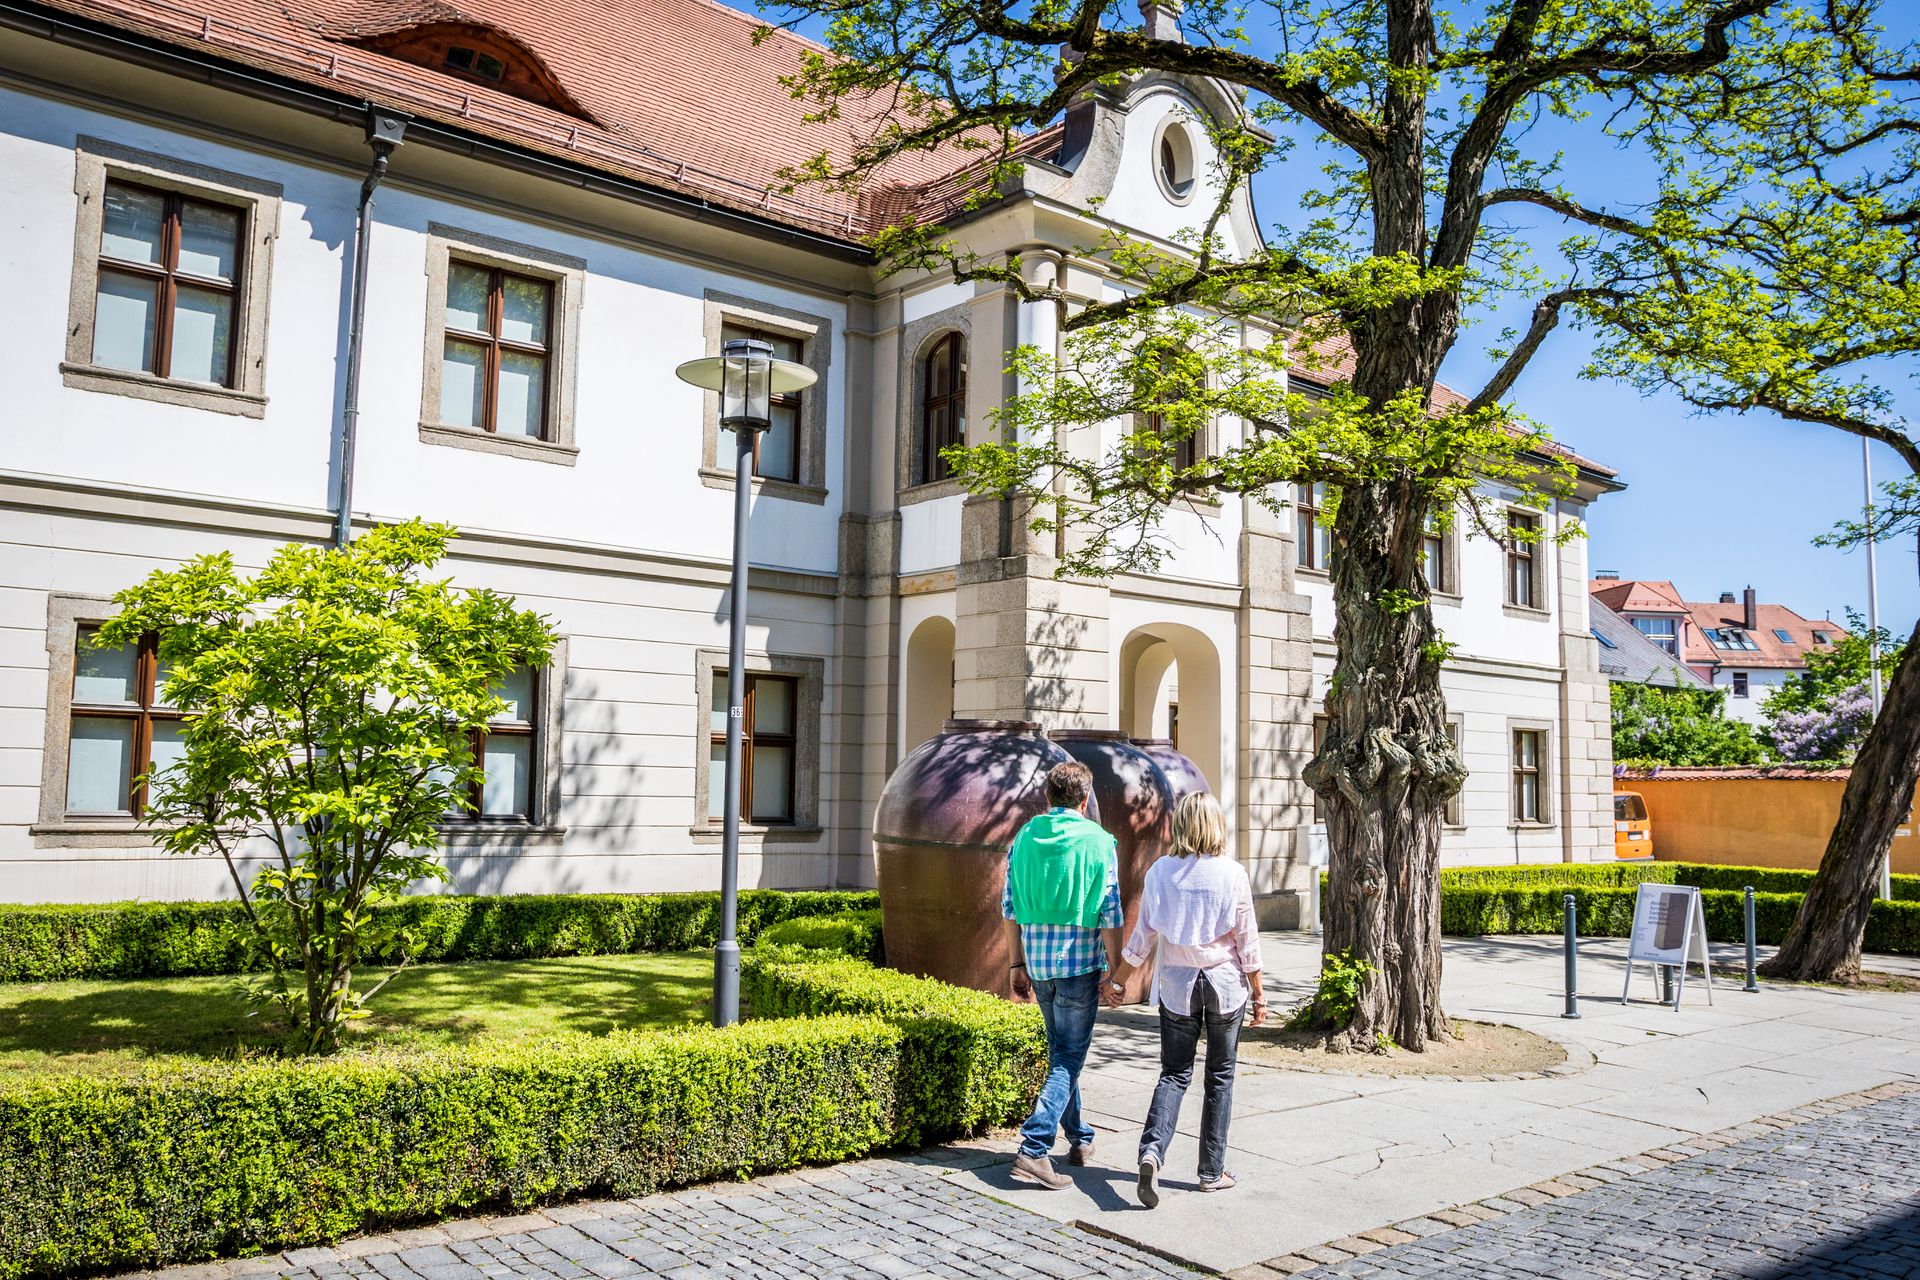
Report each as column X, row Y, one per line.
column 583, row 199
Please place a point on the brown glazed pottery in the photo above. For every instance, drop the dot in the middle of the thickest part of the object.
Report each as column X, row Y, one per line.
column 1183, row 775
column 946, row 819
column 1136, row 807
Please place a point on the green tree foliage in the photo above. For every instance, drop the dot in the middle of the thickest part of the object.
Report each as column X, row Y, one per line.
column 1657, row 726
column 330, row 701
column 1438, row 130
column 1832, row 672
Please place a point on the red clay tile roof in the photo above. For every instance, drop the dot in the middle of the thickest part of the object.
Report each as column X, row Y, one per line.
column 684, row 97
column 1637, row 596
column 1331, row 359
column 1732, row 773
column 1771, row 653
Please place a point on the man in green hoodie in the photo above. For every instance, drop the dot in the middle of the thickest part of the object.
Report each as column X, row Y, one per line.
column 1062, row 904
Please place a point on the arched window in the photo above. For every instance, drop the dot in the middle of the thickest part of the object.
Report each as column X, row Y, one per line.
column 943, row 405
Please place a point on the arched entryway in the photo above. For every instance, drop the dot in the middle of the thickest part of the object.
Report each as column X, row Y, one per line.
column 927, row 684
column 1170, row 688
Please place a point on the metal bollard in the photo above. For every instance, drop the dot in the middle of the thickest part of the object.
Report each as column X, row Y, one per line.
column 1572, row 928
column 1666, row 985
column 1753, row 979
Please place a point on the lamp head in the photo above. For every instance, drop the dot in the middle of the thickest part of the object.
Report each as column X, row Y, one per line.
column 747, row 377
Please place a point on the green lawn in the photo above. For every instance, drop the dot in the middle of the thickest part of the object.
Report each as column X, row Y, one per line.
column 110, row 1028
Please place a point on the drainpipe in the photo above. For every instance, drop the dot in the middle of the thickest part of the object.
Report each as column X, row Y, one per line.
column 385, row 131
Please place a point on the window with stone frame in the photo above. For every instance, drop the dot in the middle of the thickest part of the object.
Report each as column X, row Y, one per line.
column 119, row 727
column 1529, row 786
column 1523, row 572
column 943, row 405
column 510, row 754
column 1313, row 540
column 777, row 450
column 496, row 364
column 769, row 749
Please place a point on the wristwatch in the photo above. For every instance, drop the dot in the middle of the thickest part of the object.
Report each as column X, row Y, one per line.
column 1118, row 988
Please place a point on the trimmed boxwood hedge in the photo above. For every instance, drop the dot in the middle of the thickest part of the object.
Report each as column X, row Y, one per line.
column 1607, row 912
column 1701, row 874
column 854, row 933
column 198, row 1161
column 180, row 939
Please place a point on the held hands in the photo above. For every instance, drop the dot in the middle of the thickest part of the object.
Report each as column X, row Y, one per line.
column 1110, row 994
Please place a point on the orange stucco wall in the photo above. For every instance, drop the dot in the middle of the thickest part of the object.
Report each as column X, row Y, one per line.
column 1752, row 822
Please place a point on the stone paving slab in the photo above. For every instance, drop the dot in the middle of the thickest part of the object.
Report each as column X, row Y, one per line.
column 1837, row 1195
column 1325, row 1156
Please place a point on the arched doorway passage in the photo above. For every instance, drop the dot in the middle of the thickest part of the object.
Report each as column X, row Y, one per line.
column 927, row 701
column 1170, row 688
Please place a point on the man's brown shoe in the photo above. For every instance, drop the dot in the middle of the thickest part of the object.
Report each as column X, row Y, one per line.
column 1039, row 1171
column 1080, row 1153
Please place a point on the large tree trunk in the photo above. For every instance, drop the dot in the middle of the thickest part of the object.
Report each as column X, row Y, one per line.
column 1823, row 943
column 1385, row 770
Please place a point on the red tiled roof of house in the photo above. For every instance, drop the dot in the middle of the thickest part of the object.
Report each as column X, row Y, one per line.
column 1635, row 595
column 1732, row 773
column 1770, row 651
column 678, row 92
column 1331, row 359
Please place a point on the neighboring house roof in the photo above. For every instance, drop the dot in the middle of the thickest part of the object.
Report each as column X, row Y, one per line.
column 1637, row 596
column 1731, row 773
column 1769, row 650
column 1628, row 657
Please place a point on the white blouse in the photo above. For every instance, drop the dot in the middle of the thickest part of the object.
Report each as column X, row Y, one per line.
column 1200, row 910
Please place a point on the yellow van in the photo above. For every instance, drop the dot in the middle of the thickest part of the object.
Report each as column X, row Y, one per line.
column 1632, row 831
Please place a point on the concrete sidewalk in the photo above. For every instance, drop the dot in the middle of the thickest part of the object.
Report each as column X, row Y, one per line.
column 1321, row 1157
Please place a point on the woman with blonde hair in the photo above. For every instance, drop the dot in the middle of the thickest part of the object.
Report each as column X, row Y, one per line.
column 1199, row 907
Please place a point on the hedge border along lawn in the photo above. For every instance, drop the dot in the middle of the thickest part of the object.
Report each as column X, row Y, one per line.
column 1702, row 875
column 185, row 939
column 853, row 933
column 209, row 1160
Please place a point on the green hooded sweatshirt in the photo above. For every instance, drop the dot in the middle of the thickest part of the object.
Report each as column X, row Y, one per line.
column 1058, row 869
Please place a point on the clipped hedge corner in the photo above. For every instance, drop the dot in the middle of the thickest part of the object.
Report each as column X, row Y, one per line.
column 199, row 1160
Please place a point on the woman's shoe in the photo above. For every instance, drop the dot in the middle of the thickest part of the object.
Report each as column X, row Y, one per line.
column 1225, row 1182
column 1149, row 1189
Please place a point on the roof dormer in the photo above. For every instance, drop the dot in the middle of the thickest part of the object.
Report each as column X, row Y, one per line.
column 479, row 54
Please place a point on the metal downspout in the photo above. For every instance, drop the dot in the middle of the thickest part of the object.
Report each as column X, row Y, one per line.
column 385, row 131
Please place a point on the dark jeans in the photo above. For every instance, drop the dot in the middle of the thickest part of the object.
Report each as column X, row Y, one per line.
column 1068, row 1005
column 1179, row 1038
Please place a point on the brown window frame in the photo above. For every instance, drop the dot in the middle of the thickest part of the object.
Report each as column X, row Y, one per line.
column 494, row 344
column 731, row 329
column 167, row 274
column 1521, row 557
column 1524, row 773
column 1434, row 543
column 1186, row 452
column 952, row 403
column 144, row 712
column 528, row 727
column 1307, row 503
column 750, row 737
column 1455, row 814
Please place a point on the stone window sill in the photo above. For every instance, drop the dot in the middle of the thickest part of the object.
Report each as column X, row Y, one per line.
column 487, row 442
column 714, row 478
column 144, row 386
column 765, row 834
column 1529, row 826
column 93, row 833
column 1311, row 574
column 489, row 831
column 1526, row 613
column 931, row 489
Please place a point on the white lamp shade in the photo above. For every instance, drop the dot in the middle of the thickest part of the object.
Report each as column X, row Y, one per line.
column 708, row 372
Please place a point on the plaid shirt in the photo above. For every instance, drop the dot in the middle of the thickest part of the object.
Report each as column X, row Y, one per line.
column 1065, row 950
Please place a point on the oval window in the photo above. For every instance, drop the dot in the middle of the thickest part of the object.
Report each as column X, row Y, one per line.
column 1176, row 161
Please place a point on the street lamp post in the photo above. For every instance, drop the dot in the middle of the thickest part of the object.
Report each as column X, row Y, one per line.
column 1873, row 629
column 747, row 376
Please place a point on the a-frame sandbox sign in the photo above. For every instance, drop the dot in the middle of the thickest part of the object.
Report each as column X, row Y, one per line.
column 1669, row 928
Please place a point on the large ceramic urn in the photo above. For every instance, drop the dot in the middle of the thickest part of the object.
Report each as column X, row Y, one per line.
column 1183, row 775
column 1136, row 807
column 946, row 819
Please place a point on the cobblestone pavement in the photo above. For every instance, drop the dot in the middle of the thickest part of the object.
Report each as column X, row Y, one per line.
column 873, row 1221
column 1834, row 1197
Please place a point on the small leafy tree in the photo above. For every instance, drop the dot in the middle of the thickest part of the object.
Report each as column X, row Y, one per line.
column 1824, row 713
column 330, row 702
column 1653, row 725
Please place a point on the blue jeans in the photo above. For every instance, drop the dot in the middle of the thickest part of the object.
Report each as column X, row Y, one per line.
column 1068, row 1005
column 1180, row 1036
